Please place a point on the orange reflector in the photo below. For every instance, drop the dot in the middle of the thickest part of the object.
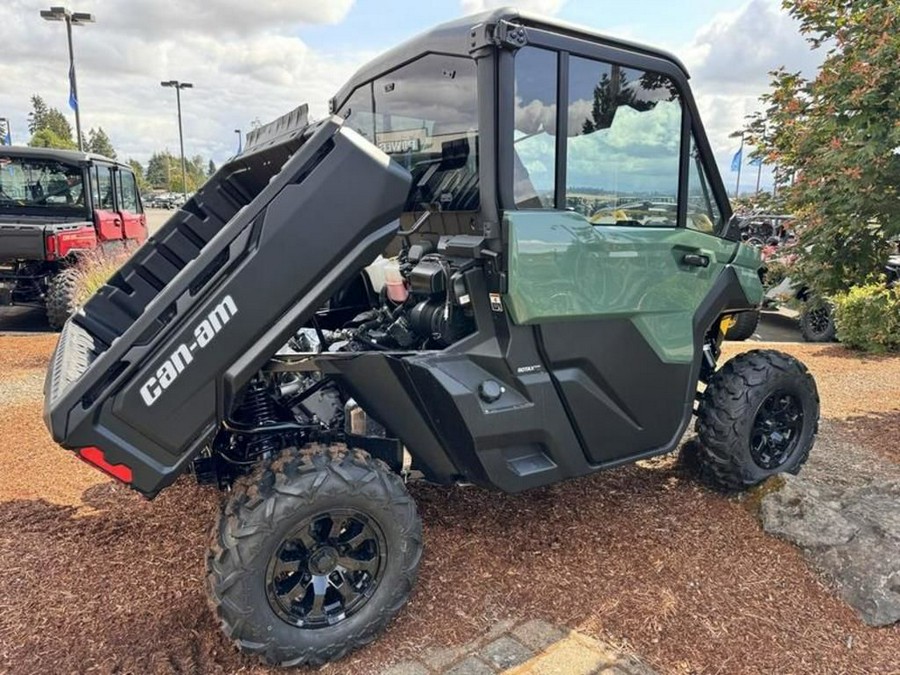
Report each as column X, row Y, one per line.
column 96, row 457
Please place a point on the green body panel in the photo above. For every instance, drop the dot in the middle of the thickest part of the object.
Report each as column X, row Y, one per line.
column 563, row 268
column 746, row 264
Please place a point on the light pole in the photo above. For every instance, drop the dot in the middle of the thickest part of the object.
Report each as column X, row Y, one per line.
column 240, row 140
column 178, row 87
column 71, row 19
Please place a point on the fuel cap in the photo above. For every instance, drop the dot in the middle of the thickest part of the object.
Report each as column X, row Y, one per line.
column 490, row 390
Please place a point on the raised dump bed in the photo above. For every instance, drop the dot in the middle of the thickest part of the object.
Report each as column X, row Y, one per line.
column 144, row 371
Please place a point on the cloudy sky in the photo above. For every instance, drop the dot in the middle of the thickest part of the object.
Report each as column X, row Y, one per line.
column 259, row 59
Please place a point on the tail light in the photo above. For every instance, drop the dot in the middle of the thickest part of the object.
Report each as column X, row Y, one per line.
column 59, row 244
column 95, row 456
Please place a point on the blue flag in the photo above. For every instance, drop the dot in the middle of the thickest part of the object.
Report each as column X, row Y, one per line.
column 5, row 134
column 756, row 162
column 737, row 159
column 73, row 101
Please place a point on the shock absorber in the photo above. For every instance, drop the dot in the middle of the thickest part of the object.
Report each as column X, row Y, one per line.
column 259, row 411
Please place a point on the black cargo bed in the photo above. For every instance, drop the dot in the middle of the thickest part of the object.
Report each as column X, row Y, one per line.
column 149, row 367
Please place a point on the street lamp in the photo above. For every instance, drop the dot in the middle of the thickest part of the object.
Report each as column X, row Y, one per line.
column 240, row 140
column 71, row 19
column 178, row 87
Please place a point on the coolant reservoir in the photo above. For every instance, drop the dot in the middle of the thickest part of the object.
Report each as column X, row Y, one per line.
column 376, row 272
column 394, row 281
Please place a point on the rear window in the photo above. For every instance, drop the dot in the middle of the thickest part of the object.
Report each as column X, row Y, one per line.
column 424, row 115
column 41, row 185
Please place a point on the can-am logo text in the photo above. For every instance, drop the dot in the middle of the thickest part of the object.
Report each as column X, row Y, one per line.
column 183, row 354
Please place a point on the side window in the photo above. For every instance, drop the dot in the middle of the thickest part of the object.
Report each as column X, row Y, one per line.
column 703, row 212
column 424, row 115
column 624, row 145
column 535, row 128
column 128, row 196
column 95, row 186
column 426, row 119
column 104, row 189
column 359, row 113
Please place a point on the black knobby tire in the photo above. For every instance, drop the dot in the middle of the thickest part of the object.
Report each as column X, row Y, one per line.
column 62, row 297
column 742, row 441
column 744, row 326
column 263, row 512
column 817, row 321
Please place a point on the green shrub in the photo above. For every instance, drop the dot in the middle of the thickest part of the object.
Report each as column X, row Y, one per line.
column 868, row 317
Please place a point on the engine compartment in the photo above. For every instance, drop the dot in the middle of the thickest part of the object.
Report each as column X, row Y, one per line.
column 417, row 300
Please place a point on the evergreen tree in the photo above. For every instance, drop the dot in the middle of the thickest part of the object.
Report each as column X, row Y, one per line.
column 48, row 126
column 98, row 142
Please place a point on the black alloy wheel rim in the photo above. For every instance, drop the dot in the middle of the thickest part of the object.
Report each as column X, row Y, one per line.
column 326, row 568
column 776, row 430
column 820, row 320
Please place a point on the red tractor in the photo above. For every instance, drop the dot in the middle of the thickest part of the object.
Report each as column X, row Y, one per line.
column 56, row 206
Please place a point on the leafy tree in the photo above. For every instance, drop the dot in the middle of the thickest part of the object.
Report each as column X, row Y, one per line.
column 161, row 169
column 49, row 128
column 98, row 142
column 47, row 138
column 164, row 171
column 835, row 137
column 138, row 170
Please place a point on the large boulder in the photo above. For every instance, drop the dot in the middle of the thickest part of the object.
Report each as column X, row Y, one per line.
column 851, row 534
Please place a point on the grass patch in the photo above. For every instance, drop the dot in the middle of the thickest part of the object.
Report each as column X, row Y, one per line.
column 94, row 270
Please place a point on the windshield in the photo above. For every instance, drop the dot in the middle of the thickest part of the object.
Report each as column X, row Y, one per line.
column 41, row 186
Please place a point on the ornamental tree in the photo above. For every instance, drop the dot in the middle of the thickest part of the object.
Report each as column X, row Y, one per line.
column 836, row 139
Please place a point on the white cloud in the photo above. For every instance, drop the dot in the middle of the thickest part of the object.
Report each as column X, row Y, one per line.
column 729, row 60
column 245, row 62
column 548, row 7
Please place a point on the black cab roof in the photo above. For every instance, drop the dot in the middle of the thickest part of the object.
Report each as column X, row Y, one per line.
column 69, row 156
column 455, row 37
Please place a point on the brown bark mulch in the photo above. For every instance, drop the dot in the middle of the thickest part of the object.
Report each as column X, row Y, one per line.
column 95, row 579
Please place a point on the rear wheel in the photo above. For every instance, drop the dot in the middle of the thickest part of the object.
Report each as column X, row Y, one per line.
column 62, row 297
column 744, row 326
column 314, row 554
column 758, row 417
column 817, row 321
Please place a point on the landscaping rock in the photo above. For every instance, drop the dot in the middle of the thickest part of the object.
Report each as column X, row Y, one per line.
column 852, row 534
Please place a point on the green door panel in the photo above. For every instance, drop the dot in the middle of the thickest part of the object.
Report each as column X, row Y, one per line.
column 563, row 268
column 747, row 263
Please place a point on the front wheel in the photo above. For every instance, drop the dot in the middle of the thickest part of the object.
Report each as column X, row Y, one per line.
column 817, row 321
column 744, row 326
column 758, row 417
column 315, row 552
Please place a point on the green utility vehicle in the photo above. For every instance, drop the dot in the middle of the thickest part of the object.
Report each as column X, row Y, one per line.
column 506, row 260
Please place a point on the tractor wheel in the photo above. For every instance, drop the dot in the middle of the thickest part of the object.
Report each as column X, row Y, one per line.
column 744, row 326
column 62, row 294
column 817, row 321
column 758, row 417
column 313, row 555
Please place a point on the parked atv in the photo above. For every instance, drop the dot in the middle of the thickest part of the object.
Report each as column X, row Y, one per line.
column 55, row 207
column 816, row 313
column 403, row 287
